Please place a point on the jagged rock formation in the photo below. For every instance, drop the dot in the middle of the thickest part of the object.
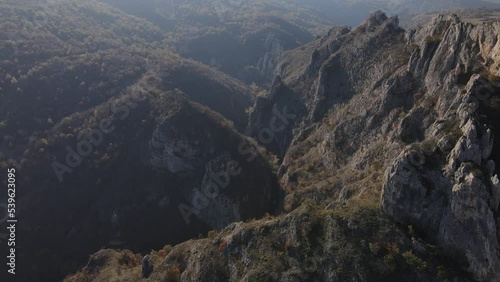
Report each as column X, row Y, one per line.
column 274, row 116
column 340, row 74
column 147, row 266
column 422, row 103
column 444, row 184
column 456, row 205
column 266, row 64
column 451, row 192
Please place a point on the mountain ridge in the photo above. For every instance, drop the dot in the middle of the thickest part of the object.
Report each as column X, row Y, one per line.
column 329, row 153
column 424, row 106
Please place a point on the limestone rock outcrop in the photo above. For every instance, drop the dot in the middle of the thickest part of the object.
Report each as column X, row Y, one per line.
column 451, row 192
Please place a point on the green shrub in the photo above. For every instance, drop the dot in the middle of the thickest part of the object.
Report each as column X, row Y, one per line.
column 374, row 248
column 414, row 261
column 427, row 146
column 452, row 129
column 167, row 249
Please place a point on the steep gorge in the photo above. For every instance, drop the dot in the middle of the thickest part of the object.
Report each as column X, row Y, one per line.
column 389, row 167
column 373, row 155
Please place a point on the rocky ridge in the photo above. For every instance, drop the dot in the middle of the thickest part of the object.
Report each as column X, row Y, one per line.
column 421, row 103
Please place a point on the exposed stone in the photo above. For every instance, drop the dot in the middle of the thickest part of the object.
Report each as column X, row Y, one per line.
column 274, row 116
column 365, row 100
column 147, row 266
column 456, row 207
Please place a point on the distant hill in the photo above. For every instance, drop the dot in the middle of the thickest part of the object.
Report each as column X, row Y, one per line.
column 353, row 12
column 475, row 16
column 239, row 38
column 264, row 141
column 92, row 54
column 388, row 166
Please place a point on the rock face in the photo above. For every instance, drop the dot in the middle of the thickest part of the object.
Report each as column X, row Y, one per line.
column 342, row 69
column 367, row 122
column 267, row 64
column 449, row 190
column 274, row 116
column 176, row 148
column 445, row 183
column 457, row 205
column 147, row 266
column 225, row 178
column 426, row 97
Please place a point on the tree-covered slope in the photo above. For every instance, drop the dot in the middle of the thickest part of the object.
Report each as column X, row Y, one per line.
column 96, row 60
column 262, row 142
column 236, row 37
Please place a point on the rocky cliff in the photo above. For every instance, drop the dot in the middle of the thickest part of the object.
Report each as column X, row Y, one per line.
column 389, row 163
column 450, row 190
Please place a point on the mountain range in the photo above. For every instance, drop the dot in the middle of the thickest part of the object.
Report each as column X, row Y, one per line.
column 252, row 140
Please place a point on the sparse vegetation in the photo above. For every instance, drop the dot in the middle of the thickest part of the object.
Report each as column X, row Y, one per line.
column 436, row 39
column 97, row 57
column 211, row 234
column 129, row 260
column 374, row 248
column 452, row 129
column 491, row 77
column 415, row 261
column 427, row 146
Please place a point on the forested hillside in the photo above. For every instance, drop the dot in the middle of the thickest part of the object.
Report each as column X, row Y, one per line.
column 90, row 61
column 254, row 32
column 265, row 140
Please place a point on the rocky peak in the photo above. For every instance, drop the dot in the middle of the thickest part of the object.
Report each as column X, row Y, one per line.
column 378, row 20
column 378, row 115
column 422, row 94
